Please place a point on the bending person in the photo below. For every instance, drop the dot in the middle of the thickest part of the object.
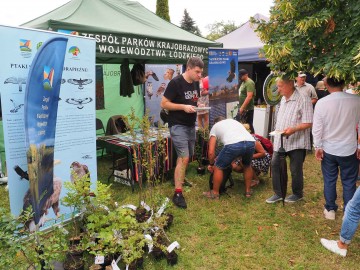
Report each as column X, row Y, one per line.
column 260, row 162
column 237, row 142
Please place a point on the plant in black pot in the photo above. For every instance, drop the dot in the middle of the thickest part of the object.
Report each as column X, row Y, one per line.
column 201, row 144
column 24, row 250
column 83, row 202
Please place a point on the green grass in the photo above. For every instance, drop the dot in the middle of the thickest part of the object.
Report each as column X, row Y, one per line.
column 240, row 233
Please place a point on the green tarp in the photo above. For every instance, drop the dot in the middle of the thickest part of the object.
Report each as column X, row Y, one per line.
column 125, row 29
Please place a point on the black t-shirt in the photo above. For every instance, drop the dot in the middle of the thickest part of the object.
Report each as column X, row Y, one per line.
column 321, row 93
column 179, row 91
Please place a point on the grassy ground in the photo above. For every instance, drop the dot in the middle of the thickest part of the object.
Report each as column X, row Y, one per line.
column 240, row 233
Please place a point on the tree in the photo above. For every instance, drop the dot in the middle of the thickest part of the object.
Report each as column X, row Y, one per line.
column 188, row 24
column 318, row 36
column 220, row 29
column 162, row 9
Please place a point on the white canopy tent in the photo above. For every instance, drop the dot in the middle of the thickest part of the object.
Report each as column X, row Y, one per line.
column 246, row 40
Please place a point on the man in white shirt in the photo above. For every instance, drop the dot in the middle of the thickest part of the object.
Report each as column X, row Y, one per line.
column 237, row 142
column 334, row 130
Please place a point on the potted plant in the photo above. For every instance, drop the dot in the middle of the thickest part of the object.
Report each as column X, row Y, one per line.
column 34, row 250
column 201, row 150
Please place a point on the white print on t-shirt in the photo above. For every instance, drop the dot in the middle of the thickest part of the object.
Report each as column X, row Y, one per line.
column 191, row 94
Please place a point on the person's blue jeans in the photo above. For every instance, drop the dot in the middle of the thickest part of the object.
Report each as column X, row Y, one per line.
column 351, row 218
column 230, row 152
column 330, row 166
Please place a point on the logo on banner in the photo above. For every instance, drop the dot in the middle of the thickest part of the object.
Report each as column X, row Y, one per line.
column 25, row 48
column 48, row 78
column 74, row 50
column 39, row 45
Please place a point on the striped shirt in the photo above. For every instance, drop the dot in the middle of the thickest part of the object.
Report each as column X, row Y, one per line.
column 292, row 112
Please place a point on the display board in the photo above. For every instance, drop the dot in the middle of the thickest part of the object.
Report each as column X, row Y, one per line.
column 48, row 109
column 223, row 81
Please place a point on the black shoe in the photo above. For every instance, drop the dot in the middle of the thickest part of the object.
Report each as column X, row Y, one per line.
column 179, row 200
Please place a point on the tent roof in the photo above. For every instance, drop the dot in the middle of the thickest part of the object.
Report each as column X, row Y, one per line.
column 246, row 40
column 123, row 24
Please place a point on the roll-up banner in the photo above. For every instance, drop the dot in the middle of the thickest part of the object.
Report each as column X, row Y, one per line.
column 223, row 82
column 47, row 85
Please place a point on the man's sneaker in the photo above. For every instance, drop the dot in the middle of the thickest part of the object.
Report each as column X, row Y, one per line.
column 332, row 245
column 274, row 198
column 293, row 198
column 187, row 183
column 179, row 200
column 329, row 214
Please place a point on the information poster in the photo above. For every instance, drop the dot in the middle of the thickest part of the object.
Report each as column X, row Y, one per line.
column 223, row 80
column 157, row 79
column 74, row 146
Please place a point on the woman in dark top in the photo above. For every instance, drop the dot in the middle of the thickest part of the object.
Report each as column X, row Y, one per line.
column 321, row 90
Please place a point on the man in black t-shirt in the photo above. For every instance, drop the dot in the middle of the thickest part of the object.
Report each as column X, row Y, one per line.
column 180, row 99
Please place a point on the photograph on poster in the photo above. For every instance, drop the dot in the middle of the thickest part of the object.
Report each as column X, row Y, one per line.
column 223, row 73
column 158, row 76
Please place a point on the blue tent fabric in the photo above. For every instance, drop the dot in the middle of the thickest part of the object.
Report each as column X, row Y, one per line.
column 246, row 40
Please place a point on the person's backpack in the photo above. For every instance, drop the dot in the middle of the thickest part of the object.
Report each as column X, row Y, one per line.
column 266, row 143
column 224, row 184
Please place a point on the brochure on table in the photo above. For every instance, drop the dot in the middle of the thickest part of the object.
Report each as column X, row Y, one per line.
column 48, row 108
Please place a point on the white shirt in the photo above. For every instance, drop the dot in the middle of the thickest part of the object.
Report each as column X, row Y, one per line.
column 335, row 120
column 230, row 131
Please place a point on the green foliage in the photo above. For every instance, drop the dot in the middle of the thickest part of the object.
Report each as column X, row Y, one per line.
column 151, row 154
column 188, row 24
column 318, row 36
column 78, row 192
column 220, row 29
column 162, row 9
column 19, row 248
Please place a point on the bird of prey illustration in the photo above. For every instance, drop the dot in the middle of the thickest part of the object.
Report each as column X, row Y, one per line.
column 231, row 73
column 78, row 102
column 80, row 82
column 149, row 89
column 14, row 80
column 16, row 107
column 161, row 89
column 20, row 172
column 78, row 171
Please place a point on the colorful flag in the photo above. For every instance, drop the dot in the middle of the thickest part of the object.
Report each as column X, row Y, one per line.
column 41, row 104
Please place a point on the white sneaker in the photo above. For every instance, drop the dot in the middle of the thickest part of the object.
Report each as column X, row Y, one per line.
column 329, row 214
column 333, row 247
